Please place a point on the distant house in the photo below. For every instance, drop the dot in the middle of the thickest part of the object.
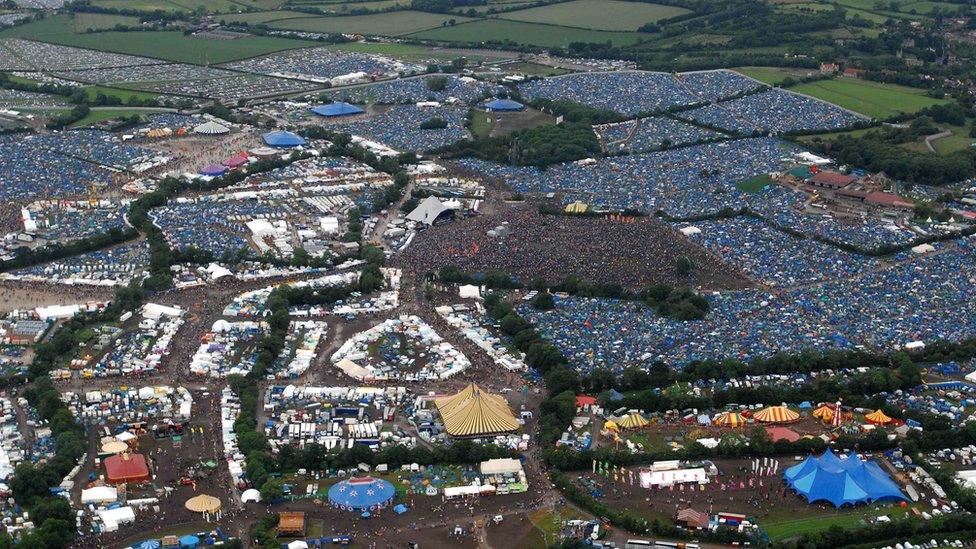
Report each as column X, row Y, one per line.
column 851, row 72
column 829, row 68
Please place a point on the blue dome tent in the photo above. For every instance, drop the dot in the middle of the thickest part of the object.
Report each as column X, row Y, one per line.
column 282, row 139
column 337, row 109
column 846, row 481
column 503, row 105
column 361, row 494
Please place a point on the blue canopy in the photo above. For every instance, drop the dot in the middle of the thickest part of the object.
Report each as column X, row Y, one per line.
column 504, row 105
column 361, row 493
column 400, row 509
column 337, row 109
column 283, row 139
column 189, row 541
column 805, row 405
column 213, row 170
column 846, row 481
column 149, row 544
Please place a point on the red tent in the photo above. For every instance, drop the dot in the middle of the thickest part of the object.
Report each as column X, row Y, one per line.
column 782, row 433
column 584, row 400
column 126, row 468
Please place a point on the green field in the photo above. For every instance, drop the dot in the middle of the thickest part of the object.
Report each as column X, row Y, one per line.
column 259, row 17
column 790, row 523
column 100, row 21
column 772, row 75
column 524, row 33
column 168, row 45
column 382, row 24
column 211, row 6
column 107, row 114
column 873, row 99
column 755, row 184
column 610, row 15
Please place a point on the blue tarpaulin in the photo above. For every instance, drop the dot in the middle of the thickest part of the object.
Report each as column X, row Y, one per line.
column 283, row 139
column 338, row 108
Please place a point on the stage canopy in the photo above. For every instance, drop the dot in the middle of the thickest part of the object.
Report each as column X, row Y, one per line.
column 505, row 105
column 846, row 481
column 337, row 109
column 474, row 412
column 361, row 493
column 283, row 139
column 776, row 414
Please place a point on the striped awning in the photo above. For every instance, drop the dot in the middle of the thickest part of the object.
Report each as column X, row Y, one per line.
column 776, row 414
column 632, row 420
column 473, row 412
column 729, row 419
column 877, row 417
column 824, row 412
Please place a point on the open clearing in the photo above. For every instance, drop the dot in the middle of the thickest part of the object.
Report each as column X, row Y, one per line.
column 873, row 99
column 517, row 32
column 384, row 24
column 256, row 18
column 611, row 15
column 773, row 75
column 100, row 21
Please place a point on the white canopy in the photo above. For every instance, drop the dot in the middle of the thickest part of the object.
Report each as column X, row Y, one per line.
column 211, row 128
column 99, row 494
column 251, row 495
column 428, row 211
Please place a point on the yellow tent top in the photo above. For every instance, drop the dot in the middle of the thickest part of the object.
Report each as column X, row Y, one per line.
column 203, row 504
column 824, row 412
column 611, row 426
column 729, row 419
column 776, row 414
column 633, row 420
column 878, row 417
column 576, row 207
column 474, row 412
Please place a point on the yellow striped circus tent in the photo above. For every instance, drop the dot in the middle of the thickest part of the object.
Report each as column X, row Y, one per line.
column 776, row 414
column 632, row 420
column 474, row 412
column 824, row 412
column 611, row 425
column 729, row 419
column 877, row 417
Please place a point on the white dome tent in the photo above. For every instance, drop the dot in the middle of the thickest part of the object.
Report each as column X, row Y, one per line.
column 211, row 128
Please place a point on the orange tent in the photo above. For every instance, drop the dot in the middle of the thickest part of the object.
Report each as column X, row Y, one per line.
column 777, row 414
column 877, row 418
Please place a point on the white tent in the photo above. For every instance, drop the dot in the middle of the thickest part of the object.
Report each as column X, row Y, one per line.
column 251, row 495
column 99, row 494
column 211, row 128
column 428, row 211
column 298, row 544
column 469, row 291
column 124, row 436
column 500, row 466
column 221, row 326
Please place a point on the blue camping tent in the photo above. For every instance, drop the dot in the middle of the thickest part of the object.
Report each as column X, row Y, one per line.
column 503, row 105
column 337, row 109
column 189, row 540
column 361, row 493
column 846, row 481
column 283, row 139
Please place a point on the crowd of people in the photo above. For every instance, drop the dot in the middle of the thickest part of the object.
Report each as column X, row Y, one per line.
column 530, row 245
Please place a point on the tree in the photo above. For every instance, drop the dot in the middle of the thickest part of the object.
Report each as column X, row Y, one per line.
column 684, row 266
column 544, row 302
column 271, row 490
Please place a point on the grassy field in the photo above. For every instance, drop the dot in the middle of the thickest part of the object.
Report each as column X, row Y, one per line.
column 480, row 123
column 874, row 99
column 259, row 17
column 791, row 523
column 124, row 95
column 755, row 184
column 772, row 75
column 383, row 24
column 611, row 15
column 525, row 33
column 211, row 6
column 99, row 21
column 107, row 114
column 171, row 46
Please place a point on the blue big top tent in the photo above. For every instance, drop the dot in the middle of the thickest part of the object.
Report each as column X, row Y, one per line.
column 337, row 109
column 362, row 493
column 503, row 105
column 283, row 139
column 846, row 481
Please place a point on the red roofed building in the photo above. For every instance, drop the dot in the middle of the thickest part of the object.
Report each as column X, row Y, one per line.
column 782, row 433
column 878, row 199
column 830, row 180
column 851, row 72
column 122, row 468
column 583, row 401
